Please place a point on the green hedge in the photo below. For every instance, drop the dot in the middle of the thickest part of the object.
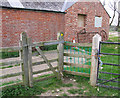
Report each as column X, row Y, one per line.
column 4, row 55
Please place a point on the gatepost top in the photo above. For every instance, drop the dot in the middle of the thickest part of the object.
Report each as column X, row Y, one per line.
column 60, row 36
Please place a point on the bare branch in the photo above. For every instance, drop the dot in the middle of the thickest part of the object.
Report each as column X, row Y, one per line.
column 103, row 3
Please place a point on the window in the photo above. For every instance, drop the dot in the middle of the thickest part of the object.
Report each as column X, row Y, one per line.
column 81, row 20
column 98, row 21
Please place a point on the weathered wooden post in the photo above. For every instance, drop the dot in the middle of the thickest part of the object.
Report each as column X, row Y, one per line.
column 94, row 62
column 24, row 56
column 21, row 58
column 30, row 62
column 60, row 47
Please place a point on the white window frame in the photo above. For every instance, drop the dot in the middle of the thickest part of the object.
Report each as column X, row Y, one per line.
column 98, row 21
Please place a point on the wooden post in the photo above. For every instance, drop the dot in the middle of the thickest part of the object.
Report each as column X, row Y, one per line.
column 94, row 63
column 21, row 58
column 25, row 59
column 60, row 48
column 30, row 62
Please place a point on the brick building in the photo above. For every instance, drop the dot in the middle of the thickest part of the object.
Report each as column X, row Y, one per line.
column 42, row 20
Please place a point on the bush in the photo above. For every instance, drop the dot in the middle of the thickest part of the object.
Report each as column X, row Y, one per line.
column 4, row 55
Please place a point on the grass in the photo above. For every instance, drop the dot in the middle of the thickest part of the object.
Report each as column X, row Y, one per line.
column 84, row 88
column 64, row 94
column 67, row 85
column 76, row 91
column 94, row 91
column 37, row 89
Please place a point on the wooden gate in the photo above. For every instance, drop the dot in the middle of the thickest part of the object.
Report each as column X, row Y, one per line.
column 26, row 53
column 35, row 64
column 77, row 58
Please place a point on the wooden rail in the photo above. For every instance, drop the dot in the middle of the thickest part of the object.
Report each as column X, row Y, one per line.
column 77, row 55
column 13, row 48
column 11, row 63
column 77, row 65
column 53, row 42
column 79, row 44
column 43, row 62
column 17, row 48
column 77, row 73
column 40, row 71
column 11, row 75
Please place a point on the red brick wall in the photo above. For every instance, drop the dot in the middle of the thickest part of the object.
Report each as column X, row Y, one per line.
column 41, row 26
column 91, row 9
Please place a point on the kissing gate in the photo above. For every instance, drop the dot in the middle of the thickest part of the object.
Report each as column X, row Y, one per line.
column 109, row 75
column 73, row 58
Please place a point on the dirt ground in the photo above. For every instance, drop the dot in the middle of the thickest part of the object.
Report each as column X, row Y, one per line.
column 63, row 90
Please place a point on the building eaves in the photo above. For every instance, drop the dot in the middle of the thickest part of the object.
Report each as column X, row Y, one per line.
column 4, row 7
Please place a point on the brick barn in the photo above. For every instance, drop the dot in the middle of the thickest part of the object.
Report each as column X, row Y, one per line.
column 42, row 20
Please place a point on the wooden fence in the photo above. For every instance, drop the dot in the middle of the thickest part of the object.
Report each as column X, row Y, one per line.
column 25, row 52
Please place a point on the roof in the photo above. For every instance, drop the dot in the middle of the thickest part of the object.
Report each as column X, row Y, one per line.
column 48, row 5
column 43, row 5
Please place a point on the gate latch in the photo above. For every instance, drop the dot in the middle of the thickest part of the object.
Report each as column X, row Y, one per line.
column 96, row 54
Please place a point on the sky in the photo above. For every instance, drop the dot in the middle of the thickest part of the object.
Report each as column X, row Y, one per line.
column 110, row 12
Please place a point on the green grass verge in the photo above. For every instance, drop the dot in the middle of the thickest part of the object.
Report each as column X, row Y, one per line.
column 37, row 89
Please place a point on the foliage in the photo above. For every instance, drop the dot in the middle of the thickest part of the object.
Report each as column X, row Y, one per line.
column 7, row 54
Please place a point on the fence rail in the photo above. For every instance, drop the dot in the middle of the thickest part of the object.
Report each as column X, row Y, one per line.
column 14, row 48
column 43, row 62
column 79, row 44
column 77, row 55
column 11, row 63
column 40, row 71
column 11, row 75
column 77, row 65
column 77, row 73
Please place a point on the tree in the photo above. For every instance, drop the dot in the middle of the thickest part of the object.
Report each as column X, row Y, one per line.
column 104, row 3
column 113, row 6
column 118, row 25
